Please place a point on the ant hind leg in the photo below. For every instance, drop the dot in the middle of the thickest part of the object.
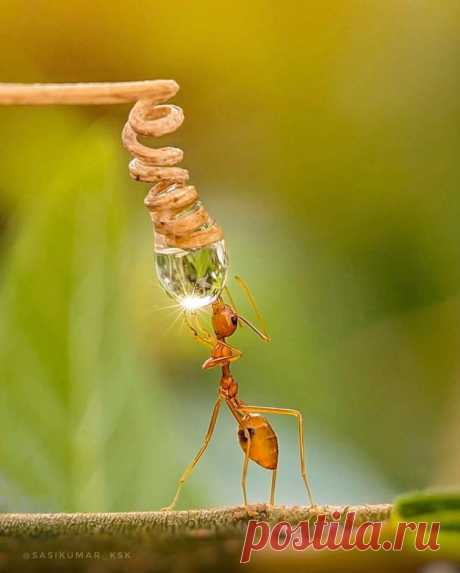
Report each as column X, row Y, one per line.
column 272, row 491
column 298, row 416
column 244, row 474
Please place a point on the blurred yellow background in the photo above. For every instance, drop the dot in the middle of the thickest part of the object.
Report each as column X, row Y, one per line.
column 324, row 138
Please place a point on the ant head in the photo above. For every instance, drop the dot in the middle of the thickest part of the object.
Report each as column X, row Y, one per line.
column 224, row 319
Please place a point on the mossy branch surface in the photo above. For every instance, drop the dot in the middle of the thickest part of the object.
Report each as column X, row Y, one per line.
column 202, row 522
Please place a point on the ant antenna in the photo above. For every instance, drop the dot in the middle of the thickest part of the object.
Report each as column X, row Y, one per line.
column 262, row 335
column 263, row 331
column 232, row 302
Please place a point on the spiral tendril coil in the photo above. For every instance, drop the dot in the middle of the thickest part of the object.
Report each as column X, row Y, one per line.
column 177, row 214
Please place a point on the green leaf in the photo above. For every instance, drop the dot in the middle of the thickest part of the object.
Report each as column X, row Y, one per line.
column 429, row 507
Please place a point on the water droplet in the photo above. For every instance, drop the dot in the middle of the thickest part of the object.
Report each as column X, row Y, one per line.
column 193, row 277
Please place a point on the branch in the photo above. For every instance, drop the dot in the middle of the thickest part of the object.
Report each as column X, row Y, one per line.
column 86, row 93
column 202, row 522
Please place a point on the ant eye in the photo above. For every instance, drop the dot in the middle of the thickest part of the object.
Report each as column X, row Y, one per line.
column 234, row 320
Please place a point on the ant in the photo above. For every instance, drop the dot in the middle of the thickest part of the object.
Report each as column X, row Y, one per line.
column 257, row 438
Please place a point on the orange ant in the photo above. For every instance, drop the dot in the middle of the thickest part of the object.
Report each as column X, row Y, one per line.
column 255, row 434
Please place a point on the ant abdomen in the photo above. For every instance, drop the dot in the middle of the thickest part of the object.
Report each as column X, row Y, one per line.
column 264, row 443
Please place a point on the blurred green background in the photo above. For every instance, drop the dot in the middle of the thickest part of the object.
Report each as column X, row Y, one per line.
column 324, row 138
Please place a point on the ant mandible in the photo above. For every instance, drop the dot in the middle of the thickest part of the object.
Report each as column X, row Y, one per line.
column 257, row 438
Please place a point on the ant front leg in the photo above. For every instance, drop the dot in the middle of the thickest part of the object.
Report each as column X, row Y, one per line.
column 198, row 331
column 196, row 459
column 298, row 415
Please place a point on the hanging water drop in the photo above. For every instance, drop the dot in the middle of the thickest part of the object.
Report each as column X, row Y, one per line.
column 193, row 277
